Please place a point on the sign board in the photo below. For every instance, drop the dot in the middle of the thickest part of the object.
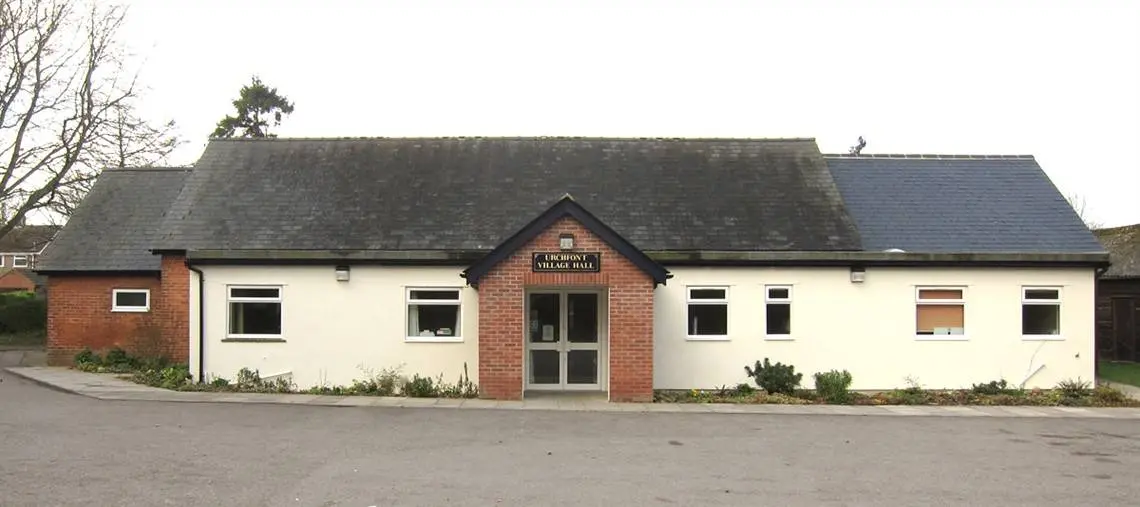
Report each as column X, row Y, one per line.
column 567, row 262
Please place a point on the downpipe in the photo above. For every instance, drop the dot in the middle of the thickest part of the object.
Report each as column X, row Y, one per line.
column 201, row 322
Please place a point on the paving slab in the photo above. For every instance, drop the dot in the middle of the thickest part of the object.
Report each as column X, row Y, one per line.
column 110, row 387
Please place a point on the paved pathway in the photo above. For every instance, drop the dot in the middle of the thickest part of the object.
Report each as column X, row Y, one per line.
column 108, row 387
column 18, row 356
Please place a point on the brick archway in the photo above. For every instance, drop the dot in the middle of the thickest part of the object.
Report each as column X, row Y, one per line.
column 626, row 275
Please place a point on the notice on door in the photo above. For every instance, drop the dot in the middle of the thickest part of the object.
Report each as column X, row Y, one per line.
column 567, row 262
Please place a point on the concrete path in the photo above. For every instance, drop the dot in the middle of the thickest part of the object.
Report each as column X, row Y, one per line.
column 108, row 387
column 18, row 356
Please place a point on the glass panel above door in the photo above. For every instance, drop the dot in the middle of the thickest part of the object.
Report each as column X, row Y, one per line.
column 543, row 323
column 582, row 318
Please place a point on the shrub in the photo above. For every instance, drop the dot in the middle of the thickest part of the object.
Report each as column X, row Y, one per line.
column 832, row 386
column 250, row 381
column 775, row 378
column 420, row 387
column 1074, row 388
column 745, row 389
column 1106, row 395
column 119, row 359
column 174, row 377
column 87, row 357
column 383, row 383
column 991, row 387
column 247, row 377
column 463, row 388
column 220, row 383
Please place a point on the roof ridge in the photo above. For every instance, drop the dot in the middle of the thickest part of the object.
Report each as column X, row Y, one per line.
column 929, row 156
column 517, row 138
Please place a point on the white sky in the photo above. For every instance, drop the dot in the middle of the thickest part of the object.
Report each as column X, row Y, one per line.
column 1058, row 80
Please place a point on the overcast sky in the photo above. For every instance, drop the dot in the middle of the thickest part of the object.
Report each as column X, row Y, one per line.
column 1058, row 80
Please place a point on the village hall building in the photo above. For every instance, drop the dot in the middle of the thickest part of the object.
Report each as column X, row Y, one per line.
column 616, row 266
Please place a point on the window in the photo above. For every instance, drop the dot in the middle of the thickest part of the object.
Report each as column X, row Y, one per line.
column 1041, row 312
column 255, row 312
column 130, row 300
column 940, row 313
column 708, row 313
column 19, row 261
column 778, row 311
column 2, row 257
column 433, row 315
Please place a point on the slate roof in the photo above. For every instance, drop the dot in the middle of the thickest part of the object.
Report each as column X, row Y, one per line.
column 1123, row 245
column 27, row 238
column 960, row 204
column 470, row 194
column 116, row 223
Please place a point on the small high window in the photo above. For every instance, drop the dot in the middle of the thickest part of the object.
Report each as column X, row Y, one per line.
column 940, row 312
column 708, row 313
column 19, row 261
column 778, row 311
column 255, row 312
column 1040, row 312
column 130, row 300
column 434, row 314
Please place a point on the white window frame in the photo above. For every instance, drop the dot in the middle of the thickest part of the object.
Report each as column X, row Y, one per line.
column 280, row 299
column 458, row 301
column 129, row 309
column 1059, row 302
column 919, row 301
column 689, row 301
column 16, row 261
column 2, row 260
column 769, row 300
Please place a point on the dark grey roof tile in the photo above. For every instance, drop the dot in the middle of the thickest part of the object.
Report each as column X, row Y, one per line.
column 962, row 204
column 113, row 228
column 472, row 193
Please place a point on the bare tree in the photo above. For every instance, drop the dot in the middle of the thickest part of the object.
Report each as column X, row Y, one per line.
column 67, row 106
column 1080, row 205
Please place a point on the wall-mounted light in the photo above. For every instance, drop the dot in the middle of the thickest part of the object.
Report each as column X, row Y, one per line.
column 566, row 241
column 858, row 274
column 342, row 273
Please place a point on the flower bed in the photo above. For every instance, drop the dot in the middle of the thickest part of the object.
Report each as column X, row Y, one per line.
column 157, row 372
column 1099, row 396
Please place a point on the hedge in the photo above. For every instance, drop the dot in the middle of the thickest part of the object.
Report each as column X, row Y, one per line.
column 22, row 312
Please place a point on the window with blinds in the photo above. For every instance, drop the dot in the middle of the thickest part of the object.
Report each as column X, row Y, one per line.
column 940, row 312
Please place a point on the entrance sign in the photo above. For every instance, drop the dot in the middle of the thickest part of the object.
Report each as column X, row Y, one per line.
column 567, row 262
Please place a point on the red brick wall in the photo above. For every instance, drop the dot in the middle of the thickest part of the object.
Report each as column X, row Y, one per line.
column 15, row 280
column 174, row 312
column 80, row 316
column 501, row 324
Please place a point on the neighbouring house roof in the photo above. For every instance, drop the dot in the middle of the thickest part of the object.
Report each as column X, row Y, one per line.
column 1123, row 245
column 115, row 225
column 470, row 194
column 961, row 204
column 27, row 238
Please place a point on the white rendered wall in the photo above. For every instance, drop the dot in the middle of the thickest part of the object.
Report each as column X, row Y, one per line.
column 869, row 328
column 333, row 330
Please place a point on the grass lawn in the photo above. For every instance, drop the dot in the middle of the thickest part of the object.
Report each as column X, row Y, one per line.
column 1125, row 373
column 29, row 339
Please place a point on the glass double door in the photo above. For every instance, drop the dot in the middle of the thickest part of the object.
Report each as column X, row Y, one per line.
column 563, row 343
